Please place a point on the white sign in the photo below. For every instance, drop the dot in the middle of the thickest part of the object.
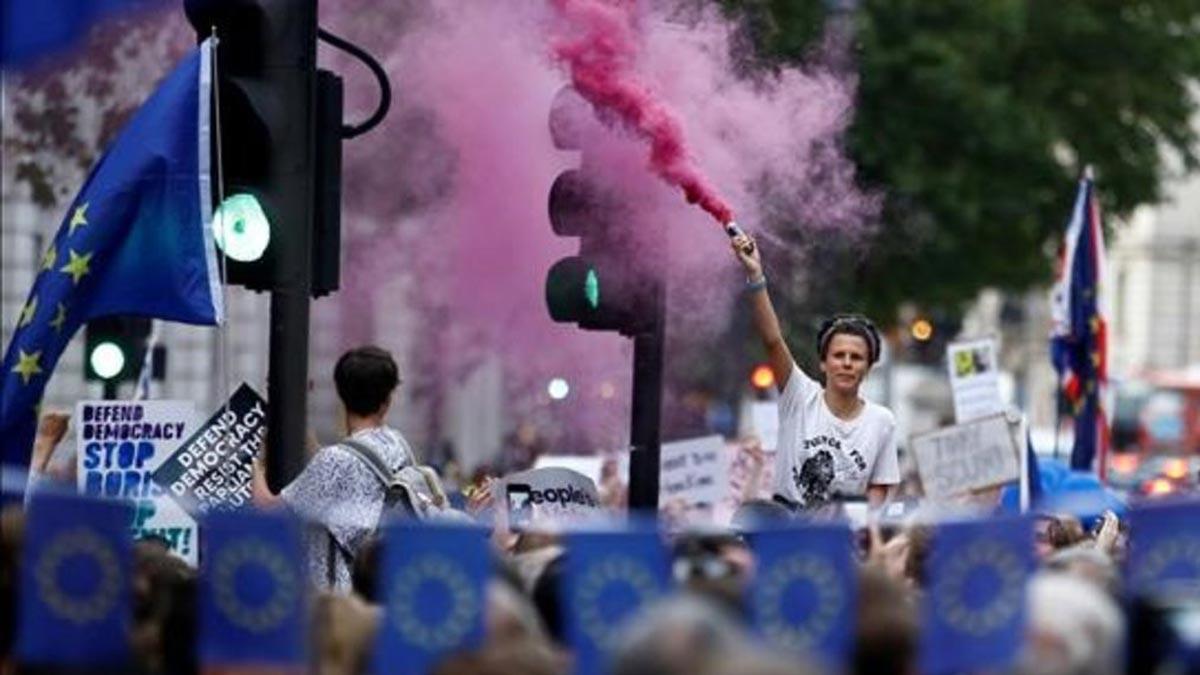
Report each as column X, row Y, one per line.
column 588, row 465
column 764, row 422
column 974, row 379
column 545, row 498
column 966, row 457
column 121, row 444
column 694, row 473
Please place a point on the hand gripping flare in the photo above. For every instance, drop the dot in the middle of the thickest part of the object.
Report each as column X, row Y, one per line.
column 733, row 230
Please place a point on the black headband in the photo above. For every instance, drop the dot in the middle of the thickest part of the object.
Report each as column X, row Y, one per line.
column 858, row 325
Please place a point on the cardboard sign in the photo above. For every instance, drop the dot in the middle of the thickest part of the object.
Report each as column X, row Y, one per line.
column 545, row 498
column 974, row 379
column 121, row 444
column 695, row 472
column 966, row 457
column 214, row 466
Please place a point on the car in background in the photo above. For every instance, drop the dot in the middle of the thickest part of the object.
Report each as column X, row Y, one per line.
column 1156, row 434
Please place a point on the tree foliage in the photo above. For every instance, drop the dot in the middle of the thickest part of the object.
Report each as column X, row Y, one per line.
column 976, row 116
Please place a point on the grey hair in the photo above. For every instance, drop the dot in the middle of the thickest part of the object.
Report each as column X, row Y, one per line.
column 676, row 636
column 1074, row 626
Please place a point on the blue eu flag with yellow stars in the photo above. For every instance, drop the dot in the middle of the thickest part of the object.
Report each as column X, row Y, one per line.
column 609, row 576
column 434, row 584
column 974, row 609
column 803, row 599
column 75, row 591
column 254, row 582
column 135, row 241
column 1164, row 547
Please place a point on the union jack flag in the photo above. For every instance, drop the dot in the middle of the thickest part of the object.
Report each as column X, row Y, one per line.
column 1079, row 342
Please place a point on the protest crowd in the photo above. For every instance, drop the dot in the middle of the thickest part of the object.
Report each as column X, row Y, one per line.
column 147, row 542
column 1074, row 611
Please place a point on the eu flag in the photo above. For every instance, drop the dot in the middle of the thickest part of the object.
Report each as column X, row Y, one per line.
column 803, row 599
column 434, row 583
column 1079, row 344
column 609, row 576
column 253, row 606
column 1164, row 547
column 974, row 611
column 135, row 241
column 75, row 592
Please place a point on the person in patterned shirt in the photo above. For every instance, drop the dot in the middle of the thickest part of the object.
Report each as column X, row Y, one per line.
column 337, row 493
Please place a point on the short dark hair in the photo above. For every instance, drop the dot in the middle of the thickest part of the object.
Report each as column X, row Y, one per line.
column 365, row 377
column 849, row 324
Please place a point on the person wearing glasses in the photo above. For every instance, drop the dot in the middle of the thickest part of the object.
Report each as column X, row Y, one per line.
column 834, row 445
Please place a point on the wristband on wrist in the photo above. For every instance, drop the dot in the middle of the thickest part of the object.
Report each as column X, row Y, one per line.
column 758, row 284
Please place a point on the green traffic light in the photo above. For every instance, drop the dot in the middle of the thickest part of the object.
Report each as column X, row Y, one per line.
column 107, row 360
column 591, row 288
column 241, row 229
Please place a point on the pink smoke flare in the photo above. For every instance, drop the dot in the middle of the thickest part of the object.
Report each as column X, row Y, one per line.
column 600, row 54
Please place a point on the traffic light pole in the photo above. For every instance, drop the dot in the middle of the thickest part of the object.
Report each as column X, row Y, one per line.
column 287, row 386
column 645, row 435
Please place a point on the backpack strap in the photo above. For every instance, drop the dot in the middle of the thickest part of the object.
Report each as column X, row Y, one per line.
column 371, row 458
column 394, row 492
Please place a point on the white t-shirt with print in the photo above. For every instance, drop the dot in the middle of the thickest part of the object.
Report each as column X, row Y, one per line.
column 820, row 457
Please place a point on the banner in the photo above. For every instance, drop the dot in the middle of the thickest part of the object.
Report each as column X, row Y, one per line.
column 214, row 466
column 609, row 577
column 973, row 610
column 805, row 593
column 433, row 588
column 75, row 596
column 545, row 497
column 966, row 457
column 974, row 379
column 121, row 444
column 253, row 596
column 694, row 473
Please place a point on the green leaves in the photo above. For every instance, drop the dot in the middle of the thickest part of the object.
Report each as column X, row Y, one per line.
column 975, row 117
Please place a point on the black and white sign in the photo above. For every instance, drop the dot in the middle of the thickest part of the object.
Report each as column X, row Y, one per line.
column 214, row 467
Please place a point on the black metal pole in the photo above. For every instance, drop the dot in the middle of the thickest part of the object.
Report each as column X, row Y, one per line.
column 645, row 435
column 287, row 386
column 293, row 182
column 110, row 390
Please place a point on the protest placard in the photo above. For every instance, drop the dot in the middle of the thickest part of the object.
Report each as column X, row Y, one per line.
column 121, row 444
column 974, row 379
column 965, row 457
column 213, row 468
column 694, row 472
column 545, row 498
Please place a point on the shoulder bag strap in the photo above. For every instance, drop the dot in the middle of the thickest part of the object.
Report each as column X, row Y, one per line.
column 393, row 491
column 372, row 459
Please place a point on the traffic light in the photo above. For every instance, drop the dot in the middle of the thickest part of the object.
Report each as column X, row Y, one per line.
column 615, row 283
column 762, row 378
column 928, row 335
column 266, row 114
column 114, row 348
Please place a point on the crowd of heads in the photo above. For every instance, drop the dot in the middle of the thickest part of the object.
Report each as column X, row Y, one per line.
column 1076, row 621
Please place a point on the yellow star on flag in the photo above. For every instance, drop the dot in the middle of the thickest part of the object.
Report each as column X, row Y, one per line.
column 49, row 258
column 79, row 218
column 27, row 365
column 60, row 317
column 78, row 266
column 28, row 313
